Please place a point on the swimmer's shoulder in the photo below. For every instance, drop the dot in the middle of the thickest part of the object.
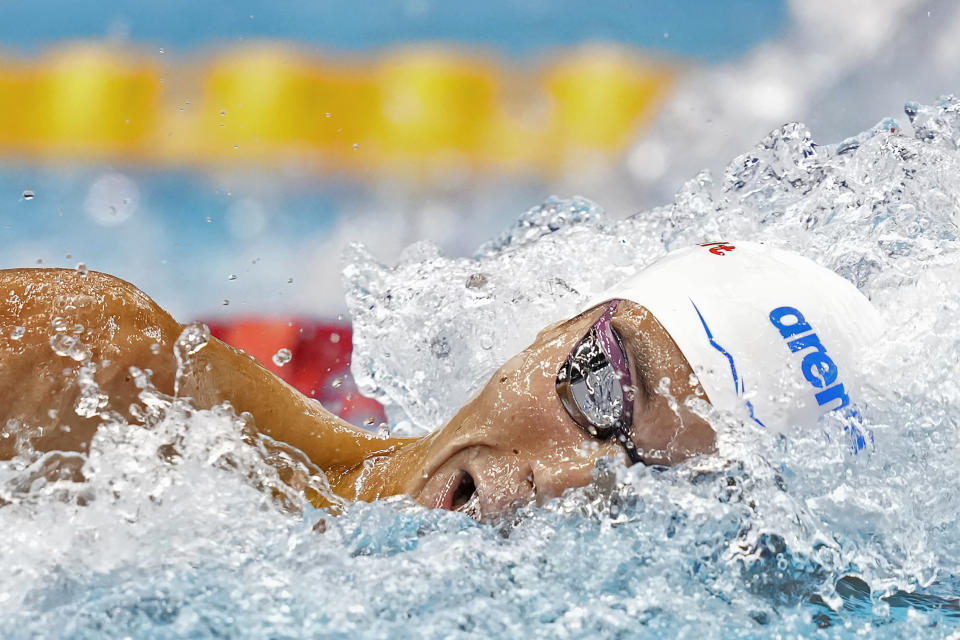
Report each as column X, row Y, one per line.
column 35, row 289
column 109, row 308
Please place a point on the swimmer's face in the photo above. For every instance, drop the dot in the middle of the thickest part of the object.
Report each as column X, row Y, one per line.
column 515, row 443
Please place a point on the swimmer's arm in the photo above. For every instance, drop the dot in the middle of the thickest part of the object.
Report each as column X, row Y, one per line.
column 122, row 327
column 282, row 412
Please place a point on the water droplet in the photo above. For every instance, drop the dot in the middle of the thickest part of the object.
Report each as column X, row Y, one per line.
column 28, row 194
column 440, row 347
column 155, row 349
column 282, row 357
column 112, row 199
column 337, row 383
column 486, row 342
column 69, row 256
column 17, row 333
column 209, row 219
column 327, row 114
column 477, row 280
column 81, row 268
column 289, row 280
column 77, row 329
column 194, row 337
column 589, row 447
column 383, row 431
column 223, row 112
column 226, row 302
column 355, row 146
column 59, row 324
column 162, row 51
column 232, row 276
column 334, row 338
column 369, row 421
column 91, row 400
column 69, row 346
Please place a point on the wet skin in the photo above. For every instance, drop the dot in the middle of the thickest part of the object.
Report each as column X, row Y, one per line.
column 512, row 444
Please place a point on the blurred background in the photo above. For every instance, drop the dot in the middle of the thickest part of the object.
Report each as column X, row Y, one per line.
column 221, row 154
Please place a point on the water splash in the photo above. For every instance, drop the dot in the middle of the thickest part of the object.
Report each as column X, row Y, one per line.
column 880, row 208
column 192, row 339
column 178, row 523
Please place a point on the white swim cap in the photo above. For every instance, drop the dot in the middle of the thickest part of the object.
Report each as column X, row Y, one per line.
column 761, row 327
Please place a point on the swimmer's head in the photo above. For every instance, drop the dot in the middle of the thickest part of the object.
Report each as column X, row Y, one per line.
column 763, row 329
column 760, row 332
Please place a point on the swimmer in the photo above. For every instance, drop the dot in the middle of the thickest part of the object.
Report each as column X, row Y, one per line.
column 756, row 331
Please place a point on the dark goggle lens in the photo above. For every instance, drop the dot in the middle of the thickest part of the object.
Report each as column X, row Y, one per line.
column 594, row 383
column 589, row 382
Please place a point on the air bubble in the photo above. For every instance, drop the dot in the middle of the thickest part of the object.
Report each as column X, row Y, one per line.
column 28, row 194
column 337, row 383
column 81, row 268
column 17, row 333
column 334, row 338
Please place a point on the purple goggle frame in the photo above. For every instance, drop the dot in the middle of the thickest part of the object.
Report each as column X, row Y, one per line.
column 595, row 386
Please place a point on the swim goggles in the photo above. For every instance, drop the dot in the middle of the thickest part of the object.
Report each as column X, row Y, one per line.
column 594, row 384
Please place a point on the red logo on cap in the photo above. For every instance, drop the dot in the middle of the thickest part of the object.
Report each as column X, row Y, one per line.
column 719, row 248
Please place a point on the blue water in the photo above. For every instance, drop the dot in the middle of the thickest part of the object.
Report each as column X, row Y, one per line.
column 181, row 235
column 701, row 28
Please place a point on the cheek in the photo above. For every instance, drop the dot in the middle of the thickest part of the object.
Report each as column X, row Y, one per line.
column 522, row 413
column 569, row 467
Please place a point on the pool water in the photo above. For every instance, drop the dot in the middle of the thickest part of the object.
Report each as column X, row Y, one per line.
column 173, row 530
